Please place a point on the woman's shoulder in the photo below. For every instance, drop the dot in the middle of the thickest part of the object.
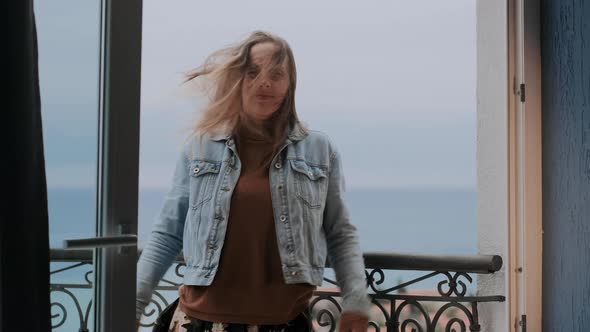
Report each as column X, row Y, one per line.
column 205, row 146
column 317, row 147
column 318, row 139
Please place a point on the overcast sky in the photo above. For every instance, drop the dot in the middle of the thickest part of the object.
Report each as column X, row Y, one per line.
column 392, row 82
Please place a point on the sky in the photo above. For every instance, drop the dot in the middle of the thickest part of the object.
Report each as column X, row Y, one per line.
column 391, row 82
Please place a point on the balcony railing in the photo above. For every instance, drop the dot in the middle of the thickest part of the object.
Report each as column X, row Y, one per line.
column 447, row 303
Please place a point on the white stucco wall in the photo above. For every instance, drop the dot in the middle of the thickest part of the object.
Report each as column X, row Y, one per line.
column 492, row 155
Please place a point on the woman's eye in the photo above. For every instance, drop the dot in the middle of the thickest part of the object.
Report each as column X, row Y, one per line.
column 276, row 76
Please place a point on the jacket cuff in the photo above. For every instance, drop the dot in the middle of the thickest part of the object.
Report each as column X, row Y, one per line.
column 360, row 304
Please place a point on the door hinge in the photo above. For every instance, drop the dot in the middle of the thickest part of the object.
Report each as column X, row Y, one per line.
column 522, row 323
column 521, row 92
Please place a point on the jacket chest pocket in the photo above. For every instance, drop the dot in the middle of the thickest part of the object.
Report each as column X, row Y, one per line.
column 203, row 177
column 310, row 183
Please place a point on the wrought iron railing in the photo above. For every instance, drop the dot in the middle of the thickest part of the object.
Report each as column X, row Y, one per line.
column 447, row 305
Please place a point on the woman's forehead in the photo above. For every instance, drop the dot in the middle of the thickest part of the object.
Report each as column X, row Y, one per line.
column 262, row 54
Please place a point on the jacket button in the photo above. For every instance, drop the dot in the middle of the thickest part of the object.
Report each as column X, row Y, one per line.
column 283, row 218
column 294, row 273
column 196, row 170
column 278, row 165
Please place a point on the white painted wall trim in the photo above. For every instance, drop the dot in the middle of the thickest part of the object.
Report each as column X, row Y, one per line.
column 509, row 160
column 493, row 98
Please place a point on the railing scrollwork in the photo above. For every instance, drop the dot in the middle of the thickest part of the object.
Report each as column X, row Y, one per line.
column 446, row 306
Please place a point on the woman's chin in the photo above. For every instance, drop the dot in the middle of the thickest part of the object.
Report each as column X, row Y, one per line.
column 260, row 115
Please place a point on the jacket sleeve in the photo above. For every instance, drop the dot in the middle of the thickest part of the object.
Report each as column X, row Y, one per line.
column 344, row 252
column 165, row 242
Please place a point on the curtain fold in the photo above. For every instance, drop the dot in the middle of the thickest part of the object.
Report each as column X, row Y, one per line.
column 24, row 236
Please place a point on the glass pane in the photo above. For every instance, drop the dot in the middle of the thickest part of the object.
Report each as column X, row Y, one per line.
column 69, row 42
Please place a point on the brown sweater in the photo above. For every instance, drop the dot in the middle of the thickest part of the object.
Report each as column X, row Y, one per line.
column 248, row 286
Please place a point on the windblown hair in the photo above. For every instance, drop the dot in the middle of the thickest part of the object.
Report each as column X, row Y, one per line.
column 223, row 74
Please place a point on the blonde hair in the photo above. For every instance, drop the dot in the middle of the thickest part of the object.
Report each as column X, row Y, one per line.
column 224, row 72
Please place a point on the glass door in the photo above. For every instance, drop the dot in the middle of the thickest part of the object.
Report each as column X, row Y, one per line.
column 89, row 71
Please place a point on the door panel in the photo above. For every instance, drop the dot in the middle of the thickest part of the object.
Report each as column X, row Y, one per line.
column 89, row 60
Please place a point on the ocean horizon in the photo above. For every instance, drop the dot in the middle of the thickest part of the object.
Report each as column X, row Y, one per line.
column 429, row 221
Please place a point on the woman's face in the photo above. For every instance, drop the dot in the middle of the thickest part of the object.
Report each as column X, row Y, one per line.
column 263, row 97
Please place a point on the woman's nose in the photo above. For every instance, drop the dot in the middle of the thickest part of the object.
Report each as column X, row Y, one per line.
column 264, row 83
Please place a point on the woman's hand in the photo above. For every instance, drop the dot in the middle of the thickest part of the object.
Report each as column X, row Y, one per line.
column 136, row 325
column 353, row 322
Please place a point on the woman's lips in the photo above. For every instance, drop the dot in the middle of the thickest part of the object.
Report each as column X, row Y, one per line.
column 264, row 97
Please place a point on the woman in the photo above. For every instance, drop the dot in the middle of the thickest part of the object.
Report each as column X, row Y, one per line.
column 256, row 204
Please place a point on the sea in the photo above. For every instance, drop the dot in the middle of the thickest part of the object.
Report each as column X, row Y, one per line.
column 423, row 221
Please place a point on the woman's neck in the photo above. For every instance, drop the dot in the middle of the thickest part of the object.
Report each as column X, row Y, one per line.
column 255, row 128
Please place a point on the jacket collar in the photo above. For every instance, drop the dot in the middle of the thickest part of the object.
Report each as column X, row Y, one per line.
column 296, row 133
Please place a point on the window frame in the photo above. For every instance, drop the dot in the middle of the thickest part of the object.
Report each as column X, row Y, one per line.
column 118, row 163
column 509, row 159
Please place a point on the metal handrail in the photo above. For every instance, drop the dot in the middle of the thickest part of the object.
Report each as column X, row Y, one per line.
column 480, row 264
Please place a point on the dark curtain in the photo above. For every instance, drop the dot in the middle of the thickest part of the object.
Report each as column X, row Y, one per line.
column 565, row 61
column 24, row 238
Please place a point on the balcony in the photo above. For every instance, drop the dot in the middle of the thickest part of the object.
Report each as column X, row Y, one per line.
column 439, row 295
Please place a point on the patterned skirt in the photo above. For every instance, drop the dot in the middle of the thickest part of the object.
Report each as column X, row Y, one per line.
column 182, row 323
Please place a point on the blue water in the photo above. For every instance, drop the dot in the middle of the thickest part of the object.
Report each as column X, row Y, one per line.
column 437, row 222
column 419, row 221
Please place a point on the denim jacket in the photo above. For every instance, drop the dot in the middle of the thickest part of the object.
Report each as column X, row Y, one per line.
column 306, row 184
